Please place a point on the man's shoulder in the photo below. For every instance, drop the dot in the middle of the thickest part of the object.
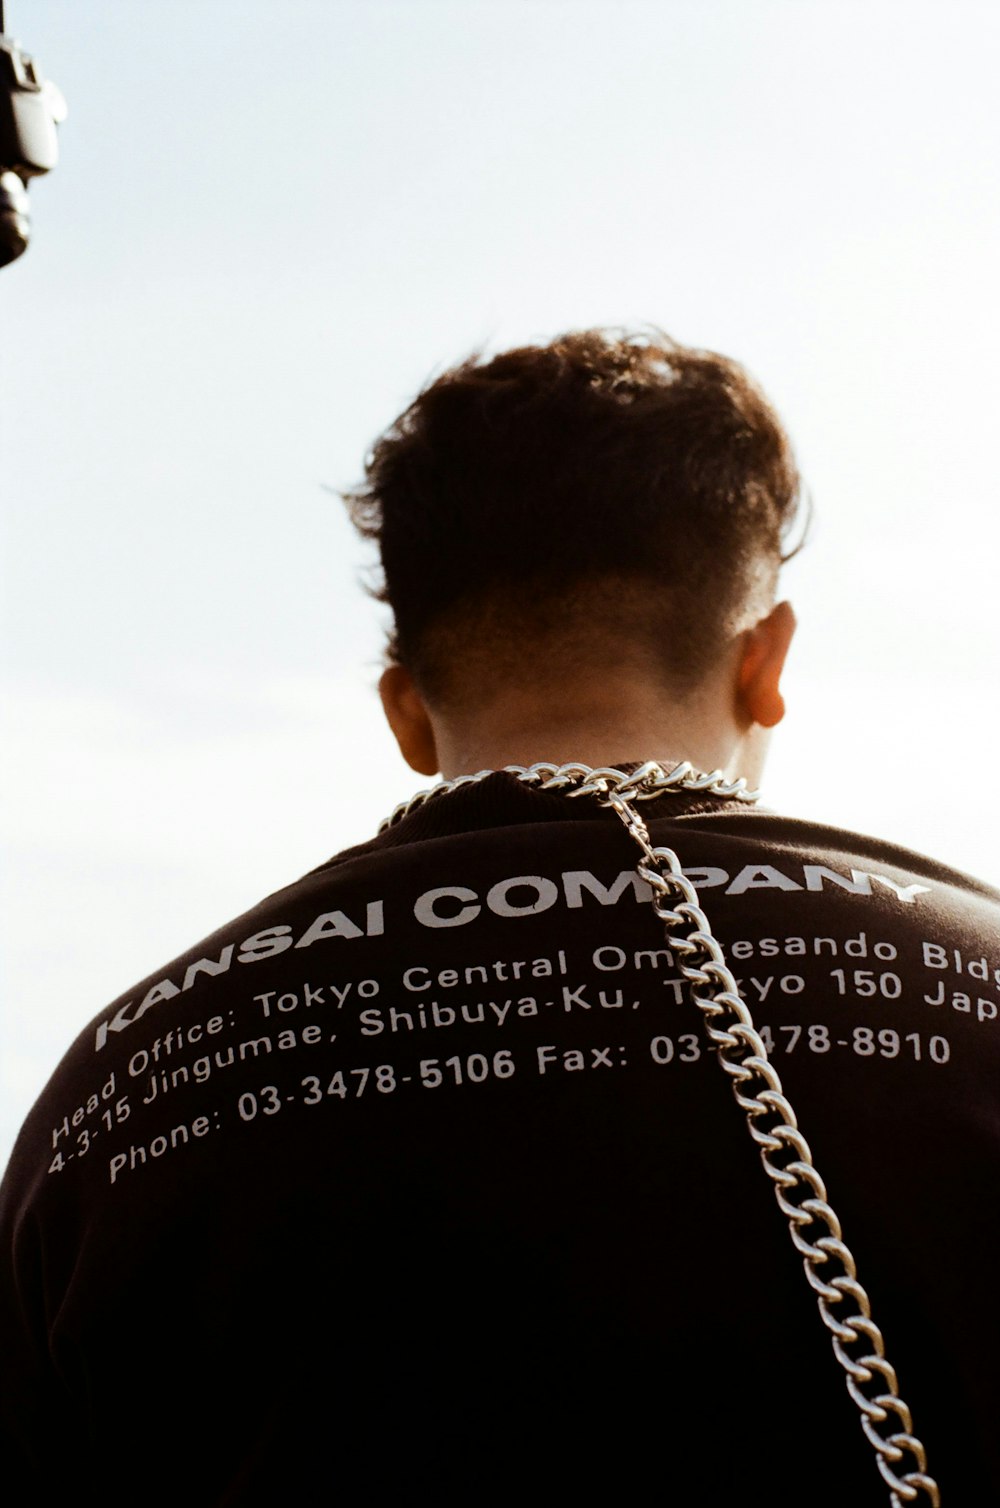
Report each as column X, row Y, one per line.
column 465, row 867
column 807, row 841
column 729, row 850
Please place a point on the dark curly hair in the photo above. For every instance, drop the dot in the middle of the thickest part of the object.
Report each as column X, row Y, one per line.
column 609, row 497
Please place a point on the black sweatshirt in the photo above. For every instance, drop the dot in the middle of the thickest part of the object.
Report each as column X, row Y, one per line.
column 419, row 1179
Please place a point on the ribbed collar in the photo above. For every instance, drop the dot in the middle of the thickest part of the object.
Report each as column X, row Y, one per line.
column 501, row 800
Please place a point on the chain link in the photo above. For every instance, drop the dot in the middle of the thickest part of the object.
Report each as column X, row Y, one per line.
column 815, row 1230
column 648, row 781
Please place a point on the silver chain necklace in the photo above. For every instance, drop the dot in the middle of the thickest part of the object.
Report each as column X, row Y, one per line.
column 829, row 1266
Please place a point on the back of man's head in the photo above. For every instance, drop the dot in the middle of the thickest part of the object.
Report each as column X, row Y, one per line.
column 604, row 501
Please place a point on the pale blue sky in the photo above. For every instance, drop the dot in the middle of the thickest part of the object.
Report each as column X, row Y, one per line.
column 273, row 221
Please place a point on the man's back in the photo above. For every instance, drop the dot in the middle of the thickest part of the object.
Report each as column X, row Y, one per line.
column 420, row 1178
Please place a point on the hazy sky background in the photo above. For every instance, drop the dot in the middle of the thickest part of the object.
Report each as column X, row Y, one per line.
column 273, row 222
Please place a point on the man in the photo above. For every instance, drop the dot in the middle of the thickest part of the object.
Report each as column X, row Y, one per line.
column 422, row 1179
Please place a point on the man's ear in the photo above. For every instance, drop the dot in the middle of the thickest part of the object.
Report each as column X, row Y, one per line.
column 409, row 720
column 765, row 647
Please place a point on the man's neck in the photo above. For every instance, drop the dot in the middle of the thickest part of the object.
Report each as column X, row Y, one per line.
column 629, row 729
